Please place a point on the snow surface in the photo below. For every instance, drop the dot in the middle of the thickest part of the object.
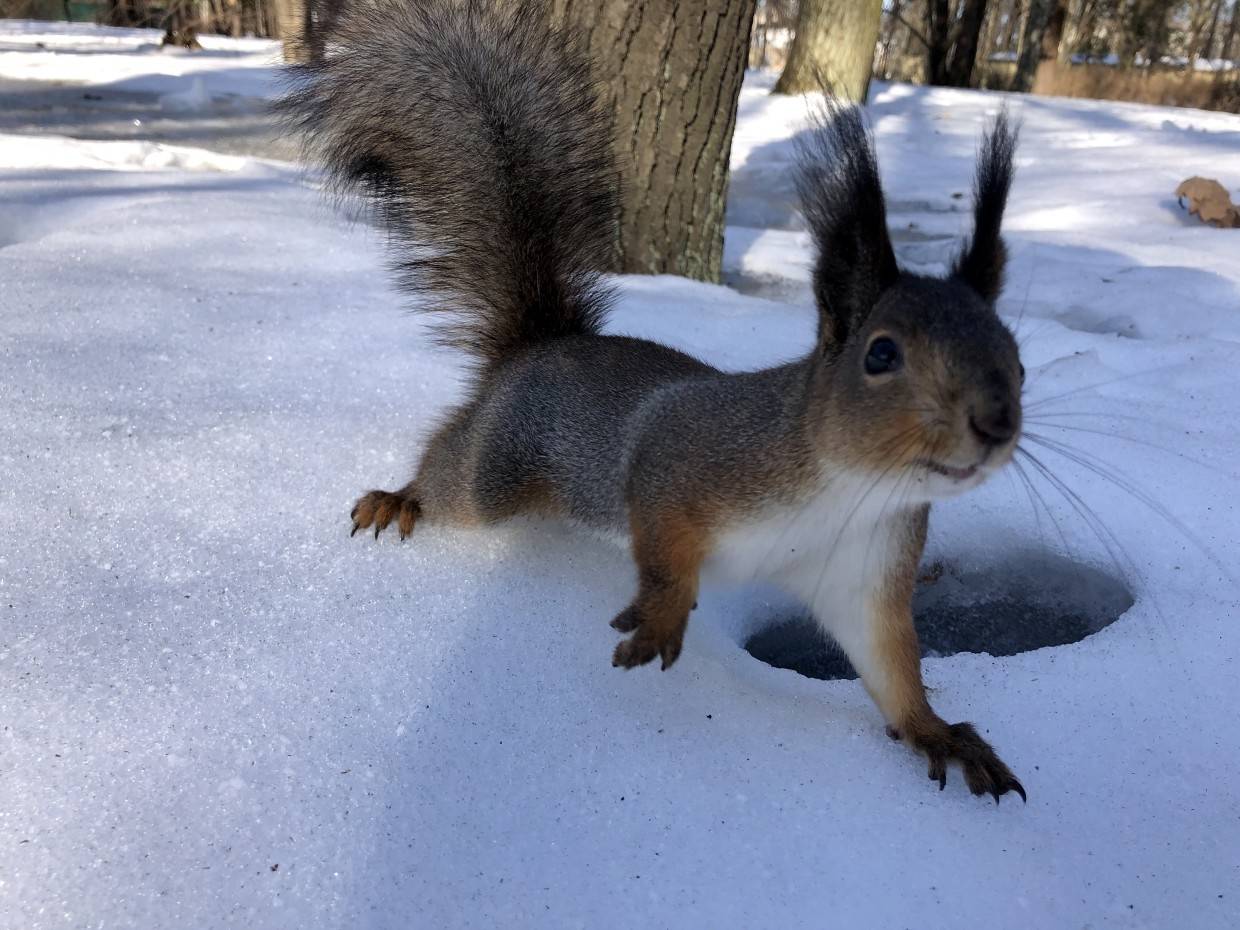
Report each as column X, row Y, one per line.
column 132, row 59
column 217, row 710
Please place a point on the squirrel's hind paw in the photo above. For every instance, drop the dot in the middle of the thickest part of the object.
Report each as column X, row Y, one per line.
column 379, row 508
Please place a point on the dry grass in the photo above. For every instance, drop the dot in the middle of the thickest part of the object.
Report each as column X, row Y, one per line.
column 1163, row 86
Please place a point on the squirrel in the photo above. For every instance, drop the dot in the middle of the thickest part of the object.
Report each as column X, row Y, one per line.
column 475, row 131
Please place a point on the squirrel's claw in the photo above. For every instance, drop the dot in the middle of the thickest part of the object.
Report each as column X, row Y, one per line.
column 1016, row 786
column 984, row 771
column 379, row 508
column 652, row 638
column 670, row 651
column 641, row 648
column 627, row 620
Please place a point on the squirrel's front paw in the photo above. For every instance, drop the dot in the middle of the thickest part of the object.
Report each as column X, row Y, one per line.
column 649, row 641
column 984, row 771
column 379, row 508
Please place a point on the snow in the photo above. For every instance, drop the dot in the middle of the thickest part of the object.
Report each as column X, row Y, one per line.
column 37, row 152
column 218, row 710
column 132, row 59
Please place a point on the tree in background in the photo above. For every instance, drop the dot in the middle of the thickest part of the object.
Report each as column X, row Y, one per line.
column 1229, row 51
column 1078, row 14
column 948, row 36
column 1143, row 30
column 293, row 27
column 772, row 16
column 183, row 20
column 181, row 24
column 1141, row 50
column 671, row 72
column 953, row 28
column 833, row 44
column 1203, row 29
column 1032, row 40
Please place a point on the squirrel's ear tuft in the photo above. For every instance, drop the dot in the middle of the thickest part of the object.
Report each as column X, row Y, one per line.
column 842, row 199
column 981, row 262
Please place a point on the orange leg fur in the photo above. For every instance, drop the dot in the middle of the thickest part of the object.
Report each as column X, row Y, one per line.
column 879, row 637
column 890, row 666
column 669, row 556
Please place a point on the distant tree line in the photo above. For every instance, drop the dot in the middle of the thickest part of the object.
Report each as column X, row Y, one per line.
column 955, row 37
column 671, row 72
column 182, row 20
column 943, row 42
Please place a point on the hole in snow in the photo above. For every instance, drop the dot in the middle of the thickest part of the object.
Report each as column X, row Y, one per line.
column 1029, row 601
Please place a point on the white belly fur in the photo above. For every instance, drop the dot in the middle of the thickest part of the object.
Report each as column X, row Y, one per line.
column 831, row 551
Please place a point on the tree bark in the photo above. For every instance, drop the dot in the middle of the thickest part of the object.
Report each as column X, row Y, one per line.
column 990, row 31
column 1031, row 44
column 291, row 20
column 1158, row 30
column 1143, row 29
column 1231, row 32
column 180, row 26
column 833, row 43
column 1070, row 38
column 1055, row 24
column 938, row 36
column 1206, row 48
column 671, row 72
column 963, row 53
column 1011, row 39
column 953, row 28
column 887, row 29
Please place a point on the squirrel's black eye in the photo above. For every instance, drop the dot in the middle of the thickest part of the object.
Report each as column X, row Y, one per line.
column 883, row 357
column 1022, row 374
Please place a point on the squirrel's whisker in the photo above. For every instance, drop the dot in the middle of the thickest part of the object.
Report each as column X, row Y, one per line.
column 1121, row 436
column 1110, row 541
column 1042, row 401
column 1126, row 484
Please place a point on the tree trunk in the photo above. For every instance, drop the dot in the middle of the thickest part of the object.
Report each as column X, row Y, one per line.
column 1128, row 42
column 887, row 33
column 1007, row 39
column 291, row 20
column 671, row 71
column 1070, row 39
column 1031, row 44
column 1207, row 47
column 180, row 26
column 318, row 20
column 833, row 43
column 1231, row 32
column 964, row 44
column 1053, row 35
column 1143, row 29
column 990, row 30
column 938, row 35
column 1156, row 44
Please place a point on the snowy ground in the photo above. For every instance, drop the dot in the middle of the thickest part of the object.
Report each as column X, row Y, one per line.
column 75, row 79
column 132, row 59
column 217, row 710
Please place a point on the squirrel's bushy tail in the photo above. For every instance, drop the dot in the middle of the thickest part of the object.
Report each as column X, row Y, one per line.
column 473, row 127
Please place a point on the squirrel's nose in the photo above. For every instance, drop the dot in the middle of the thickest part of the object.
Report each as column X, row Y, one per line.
column 993, row 425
